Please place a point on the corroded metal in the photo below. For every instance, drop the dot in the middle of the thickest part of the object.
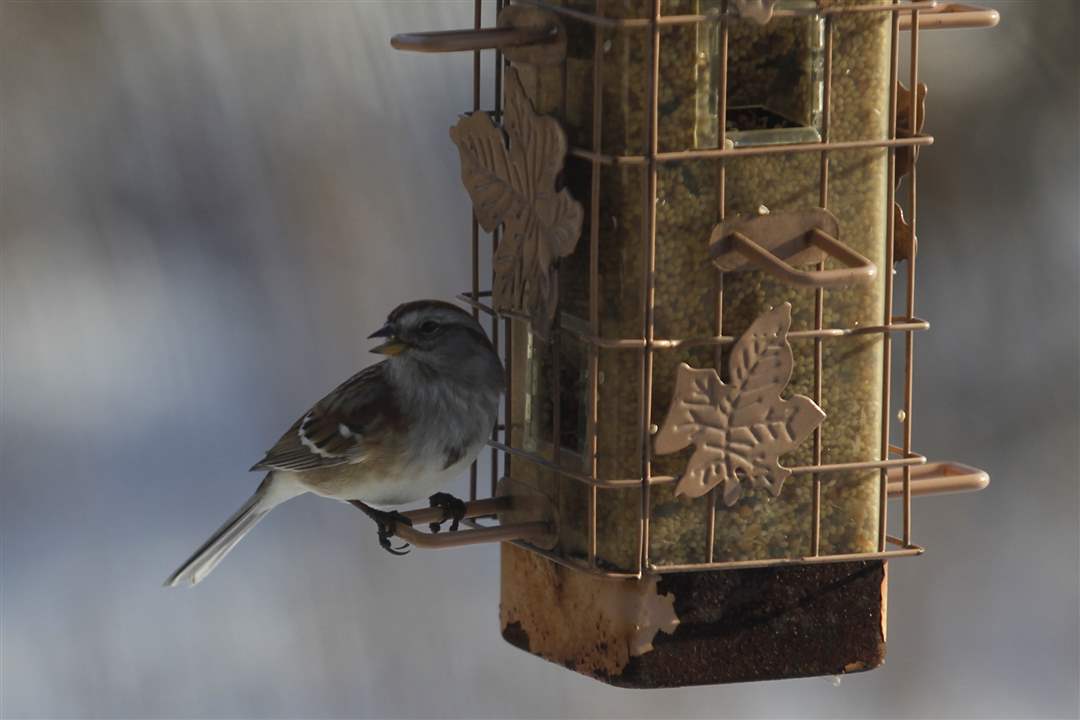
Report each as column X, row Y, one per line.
column 593, row 625
column 740, row 428
column 697, row 628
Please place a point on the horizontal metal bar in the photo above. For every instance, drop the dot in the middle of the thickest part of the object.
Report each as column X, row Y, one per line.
column 907, row 551
column 443, row 41
column 579, row 329
column 953, row 16
column 468, row 299
column 474, row 509
column 912, row 459
column 581, row 565
column 938, row 478
column 499, row 533
column 898, row 325
column 545, row 463
column 578, row 563
column 900, row 8
column 694, row 19
column 714, row 153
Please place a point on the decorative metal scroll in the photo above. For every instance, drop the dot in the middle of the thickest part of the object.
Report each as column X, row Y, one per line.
column 906, row 156
column 740, row 428
column 905, row 244
column 757, row 11
column 510, row 172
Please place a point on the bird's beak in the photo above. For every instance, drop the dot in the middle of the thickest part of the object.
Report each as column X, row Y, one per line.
column 393, row 345
column 386, row 330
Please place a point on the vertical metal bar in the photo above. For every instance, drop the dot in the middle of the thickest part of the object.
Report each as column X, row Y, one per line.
column 594, row 273
column 555, row 347
column 649, row 280
column 563, row 91
column 494, row 249
column 508, row 323
column 886, row 337
column 498, row 66
column 508, row 361
column 819, row 293
column 477, row 8
column 721, row 211
column 909, row 346
column 477, row 17
column 556, row 330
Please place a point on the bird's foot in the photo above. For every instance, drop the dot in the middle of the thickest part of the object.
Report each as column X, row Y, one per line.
column 451, row 505
column 387, row 522
column 387, row 527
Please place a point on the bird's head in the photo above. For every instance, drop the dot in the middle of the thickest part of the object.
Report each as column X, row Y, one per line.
column 436, row 334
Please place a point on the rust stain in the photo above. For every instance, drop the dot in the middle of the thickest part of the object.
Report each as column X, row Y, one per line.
column 593, row 625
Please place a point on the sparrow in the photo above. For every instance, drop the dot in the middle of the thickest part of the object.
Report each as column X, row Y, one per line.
column 393, row 433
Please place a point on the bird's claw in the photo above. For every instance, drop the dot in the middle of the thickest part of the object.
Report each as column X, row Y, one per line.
column 384, row 543
column 451, row 505
column 387, row 522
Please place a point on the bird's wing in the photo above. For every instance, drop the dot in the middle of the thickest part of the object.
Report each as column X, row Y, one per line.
column 355, row 419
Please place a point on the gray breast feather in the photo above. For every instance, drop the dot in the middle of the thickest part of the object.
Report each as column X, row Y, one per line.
column 454, row 453
column 457, row 422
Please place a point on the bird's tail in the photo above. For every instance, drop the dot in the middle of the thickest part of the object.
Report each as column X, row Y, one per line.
column 271, row 493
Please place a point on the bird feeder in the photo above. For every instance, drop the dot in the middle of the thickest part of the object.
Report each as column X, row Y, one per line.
column 702, row 218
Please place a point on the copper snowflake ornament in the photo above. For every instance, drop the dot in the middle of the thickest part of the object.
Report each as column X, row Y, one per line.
column 740, row 428
column 510, row 173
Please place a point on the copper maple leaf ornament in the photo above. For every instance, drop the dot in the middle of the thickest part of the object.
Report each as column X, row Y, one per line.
column 741, row 428
column 510, row 173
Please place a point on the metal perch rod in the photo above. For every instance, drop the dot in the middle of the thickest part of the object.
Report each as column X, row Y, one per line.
column 441, row 41
column 478, row 508
column 938, row 478
column 931, row 479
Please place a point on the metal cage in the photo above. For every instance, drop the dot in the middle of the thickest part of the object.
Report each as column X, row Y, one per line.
column 902, row 471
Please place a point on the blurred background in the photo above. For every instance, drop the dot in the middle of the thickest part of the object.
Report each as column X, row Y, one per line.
column 207, row 206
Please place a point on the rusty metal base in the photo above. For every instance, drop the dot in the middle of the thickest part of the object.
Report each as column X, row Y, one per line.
column 734, row 625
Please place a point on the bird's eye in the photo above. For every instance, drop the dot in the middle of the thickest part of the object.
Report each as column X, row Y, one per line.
column 429, row 327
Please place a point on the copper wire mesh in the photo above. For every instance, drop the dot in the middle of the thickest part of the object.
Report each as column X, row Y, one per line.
column 647, row 344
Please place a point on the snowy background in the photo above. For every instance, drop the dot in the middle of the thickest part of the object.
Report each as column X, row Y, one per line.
column 206, row 207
